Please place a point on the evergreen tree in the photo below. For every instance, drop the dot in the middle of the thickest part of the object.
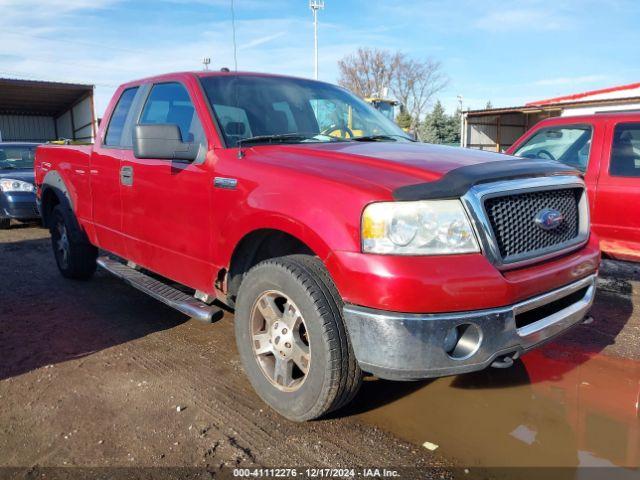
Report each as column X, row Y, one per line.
column 404, row 119
column 438, row 127
column 434, row 128
column 454, row 127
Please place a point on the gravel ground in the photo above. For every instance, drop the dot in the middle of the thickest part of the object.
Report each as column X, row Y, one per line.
column 93, row 374
column 96, row 374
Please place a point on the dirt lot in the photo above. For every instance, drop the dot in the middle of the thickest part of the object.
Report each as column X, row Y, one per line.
column 92, row 374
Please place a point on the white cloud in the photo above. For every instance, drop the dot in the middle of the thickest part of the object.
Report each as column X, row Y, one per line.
column 522, row 19
column 87, row 43
column 580, row 80
column 261, row 41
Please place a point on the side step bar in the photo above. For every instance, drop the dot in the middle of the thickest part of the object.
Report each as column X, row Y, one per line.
column 161, row 291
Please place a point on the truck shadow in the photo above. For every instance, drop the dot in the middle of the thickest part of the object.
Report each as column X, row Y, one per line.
column 45, row 319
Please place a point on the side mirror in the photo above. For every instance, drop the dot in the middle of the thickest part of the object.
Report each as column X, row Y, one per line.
column 162, row 141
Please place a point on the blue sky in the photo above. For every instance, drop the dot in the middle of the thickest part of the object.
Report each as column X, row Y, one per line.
column 508, row 52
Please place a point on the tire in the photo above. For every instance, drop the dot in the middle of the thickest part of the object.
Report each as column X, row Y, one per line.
column 75, row 256
column 5, row 223
column 299, row 287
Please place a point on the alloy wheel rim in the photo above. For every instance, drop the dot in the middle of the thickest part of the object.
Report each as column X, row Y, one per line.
column 280, row 340
column 62, row 245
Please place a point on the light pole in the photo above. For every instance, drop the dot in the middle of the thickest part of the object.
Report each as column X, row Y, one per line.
column 315, row 5
column 463, row 119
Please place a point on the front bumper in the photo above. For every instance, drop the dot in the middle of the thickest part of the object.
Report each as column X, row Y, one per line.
column 399, row 346
column 19, row 206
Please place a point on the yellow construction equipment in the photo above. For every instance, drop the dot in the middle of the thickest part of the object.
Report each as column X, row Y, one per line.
column 385, row 106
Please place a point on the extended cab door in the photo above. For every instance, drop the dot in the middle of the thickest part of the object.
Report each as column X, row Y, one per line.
column 167, row 203
column 115, row 140
column 616, row 217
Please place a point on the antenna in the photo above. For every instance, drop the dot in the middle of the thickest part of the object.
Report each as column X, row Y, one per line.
column 206, row 61
column 315, row 5
column 233, row 26
column 236, row 79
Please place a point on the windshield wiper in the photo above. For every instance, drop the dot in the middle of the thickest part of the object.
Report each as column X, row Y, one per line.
column 283, row 138
column 381, row 138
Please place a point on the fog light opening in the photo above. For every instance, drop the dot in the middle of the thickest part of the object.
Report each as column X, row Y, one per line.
column 463, row 341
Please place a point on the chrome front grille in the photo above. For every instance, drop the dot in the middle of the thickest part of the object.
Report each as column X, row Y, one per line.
column 505, row 217
column 513, row 220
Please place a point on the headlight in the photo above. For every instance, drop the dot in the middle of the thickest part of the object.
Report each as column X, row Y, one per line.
column 9, row 185
column 430, row 227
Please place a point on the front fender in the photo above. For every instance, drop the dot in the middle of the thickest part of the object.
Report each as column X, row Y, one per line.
column 314, row 218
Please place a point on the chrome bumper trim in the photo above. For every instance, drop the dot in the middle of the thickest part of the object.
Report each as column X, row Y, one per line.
column 404, row 346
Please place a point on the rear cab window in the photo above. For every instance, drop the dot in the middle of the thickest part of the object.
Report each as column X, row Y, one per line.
column 625, row 151
column 570, row 144
column 117, row 135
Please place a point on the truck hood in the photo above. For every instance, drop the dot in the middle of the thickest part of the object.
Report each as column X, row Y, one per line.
column 389, row 166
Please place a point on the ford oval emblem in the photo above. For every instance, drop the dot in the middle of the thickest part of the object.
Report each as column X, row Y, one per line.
column 549, row 219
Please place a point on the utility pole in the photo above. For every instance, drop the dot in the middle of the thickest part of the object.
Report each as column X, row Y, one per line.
column 316, row 5
column 206, row 61
column 463, row 121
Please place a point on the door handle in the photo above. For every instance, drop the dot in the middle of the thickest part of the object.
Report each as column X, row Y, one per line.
column 126, row 176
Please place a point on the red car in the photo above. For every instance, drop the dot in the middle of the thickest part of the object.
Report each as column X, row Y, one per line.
column 606, row 149
column 341, row 250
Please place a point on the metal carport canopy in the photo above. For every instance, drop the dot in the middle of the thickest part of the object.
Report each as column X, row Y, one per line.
column 31, row 97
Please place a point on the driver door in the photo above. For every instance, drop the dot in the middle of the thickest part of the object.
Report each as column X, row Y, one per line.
column 167, row 203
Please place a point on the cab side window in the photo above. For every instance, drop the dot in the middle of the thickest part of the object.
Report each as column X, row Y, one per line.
column 169, row 103
column 625, row 151
column 116, row 129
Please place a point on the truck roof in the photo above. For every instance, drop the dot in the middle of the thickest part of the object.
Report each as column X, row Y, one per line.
column 631, row 116
column 210, row 73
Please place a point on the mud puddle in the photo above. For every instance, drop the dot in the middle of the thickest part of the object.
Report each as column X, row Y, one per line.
column 557, row 407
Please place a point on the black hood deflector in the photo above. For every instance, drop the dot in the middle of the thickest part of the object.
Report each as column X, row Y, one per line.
column 456, row 183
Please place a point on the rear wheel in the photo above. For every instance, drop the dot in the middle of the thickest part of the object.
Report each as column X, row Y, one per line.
column 75, row 256
column 292, row 340
column 5, row 223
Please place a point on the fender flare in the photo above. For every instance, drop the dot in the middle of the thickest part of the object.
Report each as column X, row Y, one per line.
column 54, row 183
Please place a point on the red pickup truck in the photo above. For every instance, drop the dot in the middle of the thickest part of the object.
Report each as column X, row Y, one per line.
column 606, row 149
column 342, row 245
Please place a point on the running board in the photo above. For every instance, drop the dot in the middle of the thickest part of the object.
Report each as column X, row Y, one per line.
column 161, row 291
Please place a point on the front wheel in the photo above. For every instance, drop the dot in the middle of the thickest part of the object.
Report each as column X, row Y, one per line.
column 292, row 340
column 75, row 256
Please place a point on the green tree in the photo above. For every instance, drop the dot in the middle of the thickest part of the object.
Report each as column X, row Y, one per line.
column 454, row 127
column 438, row 127
column 404, row 119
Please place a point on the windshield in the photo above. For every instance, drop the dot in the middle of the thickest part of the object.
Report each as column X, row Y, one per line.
column 294, row 111
column 386, row 109
column 569, row 145
column 16, row 156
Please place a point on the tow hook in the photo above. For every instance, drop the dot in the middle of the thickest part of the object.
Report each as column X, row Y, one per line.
column 505, row 361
